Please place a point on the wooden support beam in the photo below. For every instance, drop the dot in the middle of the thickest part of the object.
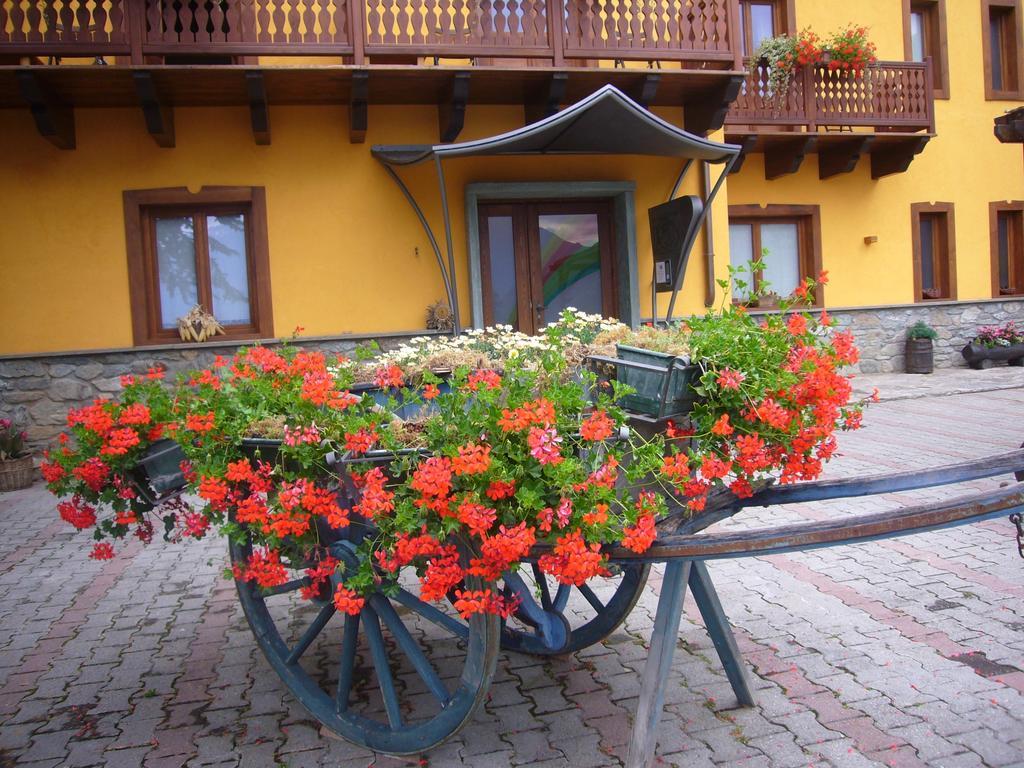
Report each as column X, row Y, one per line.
column 451, row 111
column 648, row 89
column 747, row 144
column 841, row 156
column 707, row 112
column 546, row 100
column 896, row 157
column 358, row 112
column 54, row 120
column 785, row 156
column 259, row 112
column 156, row 112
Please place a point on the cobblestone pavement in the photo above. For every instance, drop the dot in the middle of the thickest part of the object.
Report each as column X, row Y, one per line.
column 902, row 653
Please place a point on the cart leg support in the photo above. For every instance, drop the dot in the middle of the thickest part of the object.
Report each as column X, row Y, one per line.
column 679, row 574
column 717, row 624
column 644, row 738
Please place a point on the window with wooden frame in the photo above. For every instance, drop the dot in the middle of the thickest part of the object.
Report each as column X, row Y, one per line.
column 760, row 19
column 1006, row 234
column 785, row 238
column 207, row 248
column 924, row 36
column 934, row 243
column 1002, row 43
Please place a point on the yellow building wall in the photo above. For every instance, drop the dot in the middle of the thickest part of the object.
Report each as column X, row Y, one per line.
column 964, row 164
column 347, row 254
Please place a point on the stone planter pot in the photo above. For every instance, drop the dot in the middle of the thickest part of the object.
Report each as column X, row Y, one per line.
column 979, row 357
column 920, row 356
column 16, row 474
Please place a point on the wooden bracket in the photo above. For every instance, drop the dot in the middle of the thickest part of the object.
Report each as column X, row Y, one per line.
column 836, row 157
column 157, row 113
column 259, row 111
column 54, row 120
column 647, row 90
column 785, row 156
column 358, row 112
column 896, row 158
column 747, row 144
column 451, row 109
column 707, row 113
column 548, row 99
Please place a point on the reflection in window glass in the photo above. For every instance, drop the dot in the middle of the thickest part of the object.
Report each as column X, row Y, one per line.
column 762, row 23
column 928, row 253
column 995, row 48
column 570, row 263
column 176, row 267
column 1003, row 235
column 782, row 262
column 229, row 274
column 741, row 253
column 917, row 36
column 501, row 248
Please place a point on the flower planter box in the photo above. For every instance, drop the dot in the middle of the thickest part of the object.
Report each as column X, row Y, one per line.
column 158, row 475
column 920, row 356
column 16, row 474
column 663, row 382
column 405, row 409
column 978, row 356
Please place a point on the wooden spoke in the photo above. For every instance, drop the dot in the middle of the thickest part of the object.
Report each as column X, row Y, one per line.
column 311, row 633
column 349, row 642
column 588, row 593
column 542, row 582
column 410, row 648
column 561, row 597
column 380, row 663
column 288, row 586
column 432, row 614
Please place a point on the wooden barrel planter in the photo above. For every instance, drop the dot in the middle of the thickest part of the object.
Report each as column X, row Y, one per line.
column 979, row 357
column 920, row 356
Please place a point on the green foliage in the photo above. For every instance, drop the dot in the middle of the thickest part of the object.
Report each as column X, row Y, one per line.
column 921, row 330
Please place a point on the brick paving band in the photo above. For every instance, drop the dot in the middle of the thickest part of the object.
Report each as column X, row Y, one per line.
column 900, row 653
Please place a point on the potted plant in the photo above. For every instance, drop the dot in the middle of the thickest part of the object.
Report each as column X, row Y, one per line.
column 995, row 343
column 15, row 460
column 849, row 50
column 523, row 448
column 781, row 56
column 920, row 348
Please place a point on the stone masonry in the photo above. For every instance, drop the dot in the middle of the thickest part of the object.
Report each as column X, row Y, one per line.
column 881, row 332
column 38, row 390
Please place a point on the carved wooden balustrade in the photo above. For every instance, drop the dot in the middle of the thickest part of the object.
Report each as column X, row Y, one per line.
column 700, row 32
column 887, row 96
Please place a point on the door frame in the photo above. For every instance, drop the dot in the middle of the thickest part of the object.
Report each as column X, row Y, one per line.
column 623, row 219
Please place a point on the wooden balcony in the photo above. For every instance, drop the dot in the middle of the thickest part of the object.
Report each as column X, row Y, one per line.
column 886, row 112
column 698, row 33
column 161, row 54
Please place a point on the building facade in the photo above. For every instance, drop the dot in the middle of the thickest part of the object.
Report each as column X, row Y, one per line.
column 158, row 155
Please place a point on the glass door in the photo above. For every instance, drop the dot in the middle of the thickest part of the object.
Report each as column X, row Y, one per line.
column 537, row 258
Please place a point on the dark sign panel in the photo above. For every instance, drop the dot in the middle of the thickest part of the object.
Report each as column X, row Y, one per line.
column 674, row 228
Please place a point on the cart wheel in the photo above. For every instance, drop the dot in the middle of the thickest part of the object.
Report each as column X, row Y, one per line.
column 589, row 613
column 399, row 678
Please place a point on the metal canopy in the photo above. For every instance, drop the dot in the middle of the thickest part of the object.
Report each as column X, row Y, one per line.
column 605, row 123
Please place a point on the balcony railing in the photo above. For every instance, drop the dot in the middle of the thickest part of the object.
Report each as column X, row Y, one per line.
column 700, row 33
column 887, row 96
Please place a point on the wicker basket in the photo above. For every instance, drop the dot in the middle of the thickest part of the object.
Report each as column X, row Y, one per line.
column 16, row 473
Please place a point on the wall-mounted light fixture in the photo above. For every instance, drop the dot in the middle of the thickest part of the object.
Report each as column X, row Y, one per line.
column 870, row 239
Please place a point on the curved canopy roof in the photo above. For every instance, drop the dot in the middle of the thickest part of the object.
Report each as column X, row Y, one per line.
column 605, row 123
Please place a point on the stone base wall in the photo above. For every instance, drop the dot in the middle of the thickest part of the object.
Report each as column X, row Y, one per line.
column 37, row 391
column 881, row 332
